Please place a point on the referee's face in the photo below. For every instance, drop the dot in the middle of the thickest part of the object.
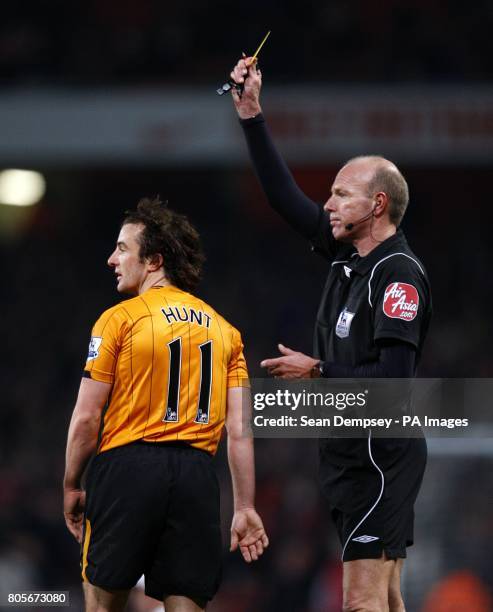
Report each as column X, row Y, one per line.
column 130, row 271
column 349, row 201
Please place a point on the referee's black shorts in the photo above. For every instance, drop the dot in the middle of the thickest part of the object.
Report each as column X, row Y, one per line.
column 371, row 486
column 153, row 509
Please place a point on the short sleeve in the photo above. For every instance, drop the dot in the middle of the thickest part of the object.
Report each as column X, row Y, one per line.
column 400, row 298
column 237, row 367
column 104, row 346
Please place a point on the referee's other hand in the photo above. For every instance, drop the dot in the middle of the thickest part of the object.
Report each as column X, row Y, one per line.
column 248, row 533
column 291, row 365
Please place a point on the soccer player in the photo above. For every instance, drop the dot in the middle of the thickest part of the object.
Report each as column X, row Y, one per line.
column 372, row 322
column 164, row 373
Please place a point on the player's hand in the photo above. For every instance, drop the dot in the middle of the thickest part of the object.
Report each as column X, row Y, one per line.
column 247, row 73
column 74, row 502
column 247, row 532
column 291, row 365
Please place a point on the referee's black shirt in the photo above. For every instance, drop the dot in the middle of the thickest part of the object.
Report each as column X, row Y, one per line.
column 368, row 300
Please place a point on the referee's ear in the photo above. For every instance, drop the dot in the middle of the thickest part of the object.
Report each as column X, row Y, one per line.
column 380, row 204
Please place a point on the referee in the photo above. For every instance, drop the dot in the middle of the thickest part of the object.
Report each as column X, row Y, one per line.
column 163, row 375
column 372, row 322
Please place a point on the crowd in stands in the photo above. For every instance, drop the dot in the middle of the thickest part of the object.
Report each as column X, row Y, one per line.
column 142, row 42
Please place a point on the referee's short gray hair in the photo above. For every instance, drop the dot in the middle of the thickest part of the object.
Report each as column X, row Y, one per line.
column 389, row 179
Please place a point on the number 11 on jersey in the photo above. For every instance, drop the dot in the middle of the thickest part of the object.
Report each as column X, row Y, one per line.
column 174, row 375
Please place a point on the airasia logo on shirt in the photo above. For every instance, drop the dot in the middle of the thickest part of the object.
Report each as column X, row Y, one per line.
column 401, row 301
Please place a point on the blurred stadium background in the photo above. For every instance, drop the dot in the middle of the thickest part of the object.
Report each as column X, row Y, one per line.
column 110, row 101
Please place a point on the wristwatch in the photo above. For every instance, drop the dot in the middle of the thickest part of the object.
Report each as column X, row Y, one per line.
column 317, row 370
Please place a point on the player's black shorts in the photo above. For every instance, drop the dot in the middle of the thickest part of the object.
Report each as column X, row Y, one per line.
column 371, row 486
column 153, row 509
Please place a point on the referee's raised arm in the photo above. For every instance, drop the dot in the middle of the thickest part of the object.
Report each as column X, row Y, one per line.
column 281, row 190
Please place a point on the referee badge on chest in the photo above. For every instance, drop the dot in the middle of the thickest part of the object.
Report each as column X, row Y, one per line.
column 344, row 323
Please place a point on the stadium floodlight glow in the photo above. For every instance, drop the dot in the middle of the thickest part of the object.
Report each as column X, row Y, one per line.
column 21, row 187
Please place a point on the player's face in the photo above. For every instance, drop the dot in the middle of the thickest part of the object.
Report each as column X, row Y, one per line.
column 349, row 201
column 129, row 270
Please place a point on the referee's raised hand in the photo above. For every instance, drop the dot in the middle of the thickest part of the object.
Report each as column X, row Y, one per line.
column 247, row 73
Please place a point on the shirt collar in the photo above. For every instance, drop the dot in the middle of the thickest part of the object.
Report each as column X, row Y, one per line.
column 362, row 265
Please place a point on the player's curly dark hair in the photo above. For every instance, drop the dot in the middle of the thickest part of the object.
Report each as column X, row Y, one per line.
column 171, row 235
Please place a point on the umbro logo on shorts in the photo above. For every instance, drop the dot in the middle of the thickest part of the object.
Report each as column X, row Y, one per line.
column 365, row 539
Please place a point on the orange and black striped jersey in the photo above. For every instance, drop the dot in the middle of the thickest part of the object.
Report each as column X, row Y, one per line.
column 170, row 359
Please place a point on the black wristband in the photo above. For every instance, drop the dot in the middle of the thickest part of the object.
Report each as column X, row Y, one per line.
column 259, row 118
